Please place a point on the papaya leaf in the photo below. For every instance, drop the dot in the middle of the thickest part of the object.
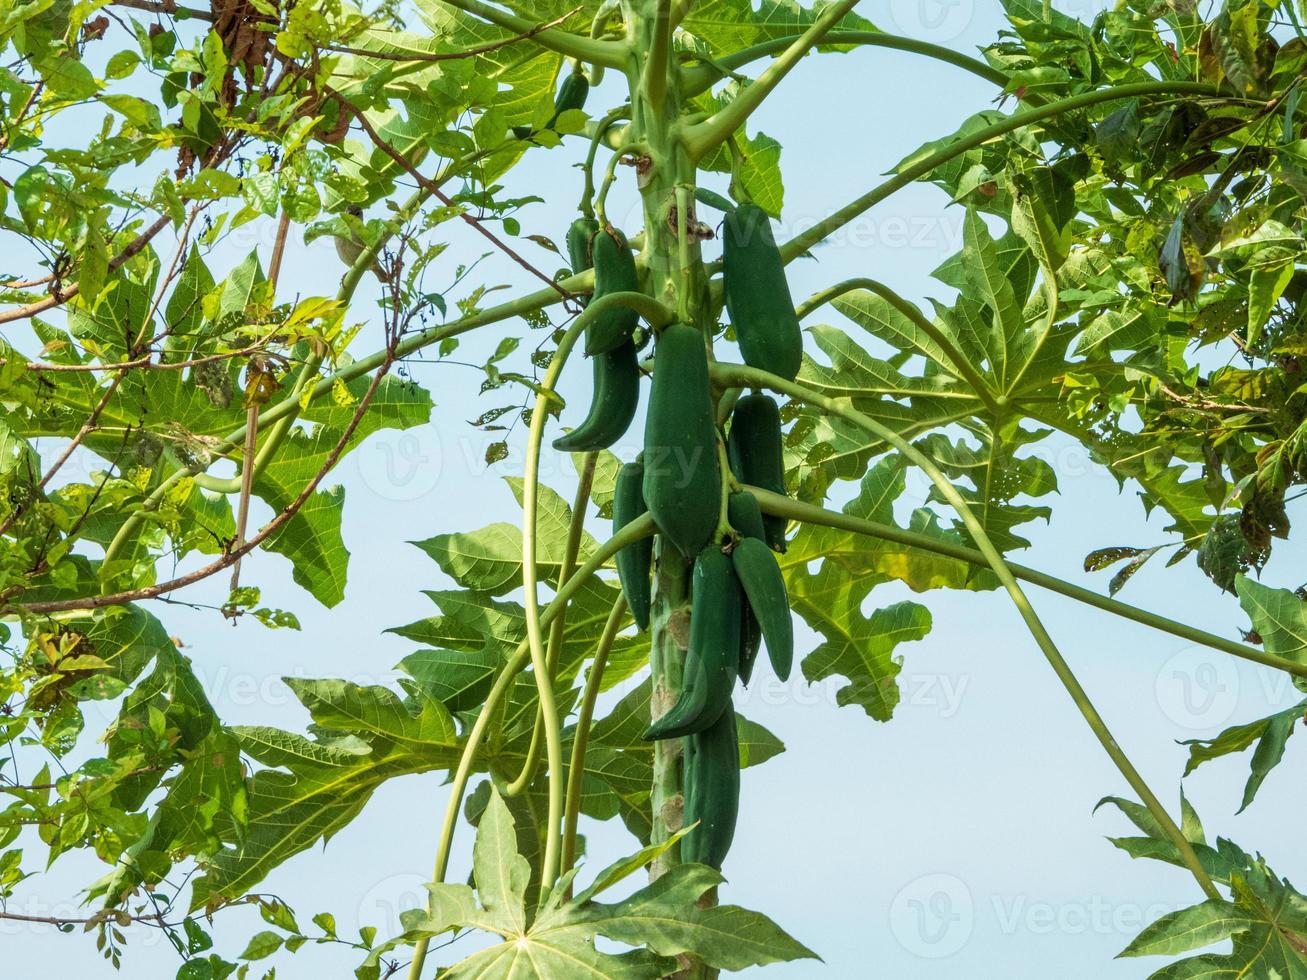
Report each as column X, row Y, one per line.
column 311, row 788
column 1269, row 734
column 1279, row 617
column 489, row 560
column 658, row 922
column 1266, row 919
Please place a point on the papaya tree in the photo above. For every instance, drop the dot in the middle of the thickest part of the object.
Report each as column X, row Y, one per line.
column 1131, row 277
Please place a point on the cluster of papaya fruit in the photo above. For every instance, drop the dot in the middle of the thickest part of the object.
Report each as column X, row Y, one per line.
column 738, row 599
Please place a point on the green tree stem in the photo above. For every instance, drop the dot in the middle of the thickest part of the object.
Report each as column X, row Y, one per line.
column 581, row 737
column 547, row 707
column 702, row 77
column 640, row 528
column 559, row 628
column 800, row 243
column 610, row 174
column 265, row 454
column 703, row 137
column 740, row 376
column 610, row 54
column 586, row 206
column 796, row 510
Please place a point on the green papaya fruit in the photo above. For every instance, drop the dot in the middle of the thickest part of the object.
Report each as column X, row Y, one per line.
column 757, row 455
column 764, row 587
column 682, row 478
column 615, row 272
column 712, row 791
column 635, row 561
column 712, row 661
column 757, row 294
column 613, row 404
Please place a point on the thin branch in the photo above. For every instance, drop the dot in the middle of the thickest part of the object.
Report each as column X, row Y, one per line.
column 796, row 510
column 247, row 484
column 169, row 8
column 278, row 252
column 581, row 739
column 173, row 270
column 248, row 457
column 45, row 787
column 701, row 77
column 703, row 137
column 424, row 56
column 158, row 919
column 575, row 531
column 32, row 96
column 1199, row 403
column 28, row 283
column 145, row 362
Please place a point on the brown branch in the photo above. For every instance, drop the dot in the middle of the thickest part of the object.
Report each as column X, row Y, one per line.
column 32, row 96
column 252, row 411
column 146, row 361
column 157, row 918
column 1199, row 403
column 42, row 787
column 174, row 270
column 87, row 427
column 27, row 283
column 247, row 484
column 157, row 7
column 61, row 296
column 278, row 250
column 154, row 591
column 450, row 55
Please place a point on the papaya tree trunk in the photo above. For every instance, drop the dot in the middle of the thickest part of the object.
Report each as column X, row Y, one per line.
column 677, row 278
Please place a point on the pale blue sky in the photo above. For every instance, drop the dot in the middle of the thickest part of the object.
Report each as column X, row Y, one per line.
column 956, row 841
